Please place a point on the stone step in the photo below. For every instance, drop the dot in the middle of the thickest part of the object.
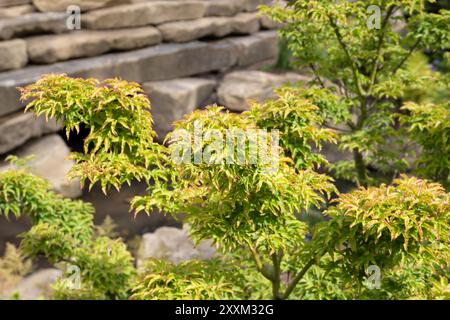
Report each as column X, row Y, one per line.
column 223, row 7
column 141, row 14
column 34, row 23
column 252, row 5
column 54, row 48
column 13, row 54
column 16, row 11
column 161, row 62
column 260, row 47
column 51, row 162
column 172, row 99
column 184, row 31
column 19, row 127
column 238, row 87
column 85, row 5
column 10, row 3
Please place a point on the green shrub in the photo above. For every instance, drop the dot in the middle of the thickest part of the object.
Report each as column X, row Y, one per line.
column 249, row 209
column 370, row 69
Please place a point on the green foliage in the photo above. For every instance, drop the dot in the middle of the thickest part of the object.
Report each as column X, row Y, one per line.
column 429, row 126
column 248, row 208
column 108, row 228
column 62, row 231
column 191, row 280
column 372, row 69
column 299, row 122
column 120, row 146
column 237, row 204
column 107, row 271
column 13, row 266
column 381, row 226
column 58, row 224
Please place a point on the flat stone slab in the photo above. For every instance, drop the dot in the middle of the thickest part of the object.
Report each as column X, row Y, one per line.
column 184, row 31
column 172, row 99
column 51, row 163
column 240, row 86
column 141, row 14
column 13, row 54
column 85, row 5
column 262, row 46
column 161, row 62
column 9, row 3
column 51, row 22
column 53, row 48
column 20, row 127
column 16, row 11
column 223, row 7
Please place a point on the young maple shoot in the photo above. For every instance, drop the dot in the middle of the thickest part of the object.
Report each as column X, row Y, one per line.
column 367, row 67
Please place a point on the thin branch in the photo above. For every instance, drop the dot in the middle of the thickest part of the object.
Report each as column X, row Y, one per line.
column 373, row 76
column 297, row 278
column 276, row 261
column 260, row 266
column 406, row 57
column 311, row 66
column 337, row 129
column 344, row 47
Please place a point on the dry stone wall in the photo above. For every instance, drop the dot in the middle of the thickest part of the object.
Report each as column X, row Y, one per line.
column 179, row 50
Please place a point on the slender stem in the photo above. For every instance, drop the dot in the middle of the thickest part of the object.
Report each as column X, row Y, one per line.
column 360, row 166
column 260, row 266
column 297, row 278
column 379, row 54
column 344, row 47
column 276, row 260
column 314, row 70
column 406, row 57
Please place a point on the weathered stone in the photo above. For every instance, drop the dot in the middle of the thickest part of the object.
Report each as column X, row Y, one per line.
column 267, row 23
column 240, row 86
column 85, row 5
column 174, row 245
column 13, row 54
column 184, row 31
column 172, row 99
column 162, row 62
column 145, row 13
column 51, row 22
column 223, row 7
column 246, row 23
column 49, row 49
column 36, row 286
column 18, row 128
column 51, row 163
column 10, row 3
column 252, row 5
column 260, row 47
column 16, row 11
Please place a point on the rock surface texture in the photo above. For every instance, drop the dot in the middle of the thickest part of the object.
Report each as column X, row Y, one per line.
column 50, row 161
column 240, row 86
column 174, row 245
column 35, row 286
